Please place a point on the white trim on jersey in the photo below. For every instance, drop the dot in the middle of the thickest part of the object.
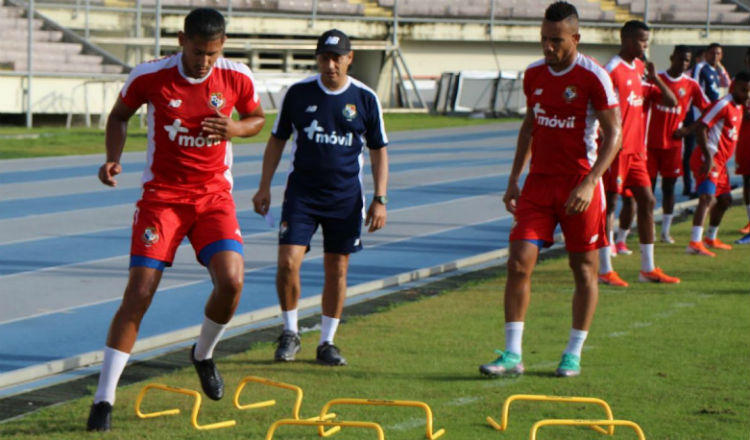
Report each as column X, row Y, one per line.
column 228, row 161
column 612, row 64
column 363, row 86
column 602, row 75
column 148, row 175
column 309, row 79
column 241, row 68
column 150, row 67
column 328, row 91
column 590, row 133
column 714, row 133
column 360, row 177
column 181, row 69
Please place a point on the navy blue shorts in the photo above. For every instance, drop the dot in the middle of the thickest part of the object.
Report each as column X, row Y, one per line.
column 340, row 235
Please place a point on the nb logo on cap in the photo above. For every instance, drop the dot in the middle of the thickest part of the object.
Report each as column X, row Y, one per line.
column 332, row 41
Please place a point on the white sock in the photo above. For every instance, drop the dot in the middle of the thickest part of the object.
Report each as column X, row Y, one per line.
column 575, row 343
column 666, row 224
column 605, row 260
column 112, row 367
column 210, row 334
column 328, row 328
column 611, row 237
column 647, row 257
column 713, row 231
column 697, row 233
column 747, row 207
column 513, row 336
column 290, row 320
column 622, row 235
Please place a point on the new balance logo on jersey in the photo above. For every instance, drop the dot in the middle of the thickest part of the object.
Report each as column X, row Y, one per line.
column 311, row 109
column 732, row 134
column 315, row 132
column 538, row 92
column 175, row 131
column 552, row 121
column 175, row 103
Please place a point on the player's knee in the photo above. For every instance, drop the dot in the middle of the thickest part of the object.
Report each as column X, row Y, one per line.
column 230, row 285
column 518, row 268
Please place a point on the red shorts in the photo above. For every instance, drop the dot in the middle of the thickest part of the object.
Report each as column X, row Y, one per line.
column 160, row 223
column 541, row 207
column 627, row 170
column 716, row 182
column 664, row 161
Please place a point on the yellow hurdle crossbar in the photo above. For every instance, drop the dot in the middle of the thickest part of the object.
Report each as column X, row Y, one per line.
column 325, row 423
column 503, row 425
column 377, row 402
column 194, row 415
column 591, row 423
column 265, row 403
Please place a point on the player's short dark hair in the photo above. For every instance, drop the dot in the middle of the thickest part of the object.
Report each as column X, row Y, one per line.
column 205, row 23
column 713, row 45
column 681, row 48
column 559, row 11
column 631, row 28
column 742, row 76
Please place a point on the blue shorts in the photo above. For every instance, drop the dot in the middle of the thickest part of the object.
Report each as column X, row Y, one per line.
column 340, row 235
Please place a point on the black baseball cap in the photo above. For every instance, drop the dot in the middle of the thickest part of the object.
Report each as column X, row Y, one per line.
column 333, row 41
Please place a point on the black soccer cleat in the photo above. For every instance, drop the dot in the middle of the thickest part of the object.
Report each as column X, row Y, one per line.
column 328, row 354
column 288, row 345
column 100, row 417
column 211, row 381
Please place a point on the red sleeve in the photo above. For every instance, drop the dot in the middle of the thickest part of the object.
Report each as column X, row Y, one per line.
column 135, row 91
column 651, row 92
column 699, row 98
column 714, row 114
column 247, row 99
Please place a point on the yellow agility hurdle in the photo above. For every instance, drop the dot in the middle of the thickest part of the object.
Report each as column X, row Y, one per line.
column 503, row 425
column 266, row 403
column 377, row 402
column 591, row 423
column 169, row 412
column 321, row 424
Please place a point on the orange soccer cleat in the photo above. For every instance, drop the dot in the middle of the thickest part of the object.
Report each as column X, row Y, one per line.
column 657, row 276
column 613, row 279
column 746, row 229
column 716, row 244
column 698, row 248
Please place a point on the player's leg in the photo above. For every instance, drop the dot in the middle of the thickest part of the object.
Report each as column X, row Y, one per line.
column 341, row 237
column 288, row 289
column 645, row 202
column 667, row 190
column 706, row 189
column 687, row 180
column 584, row 267
column 746, row 200
column 607, row 273
column 723, row 202
column 522, row 258
column 627, row 213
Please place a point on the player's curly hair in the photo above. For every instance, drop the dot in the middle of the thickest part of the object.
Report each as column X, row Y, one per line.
column 630, row 28
column 559, row 11
column 205, row 23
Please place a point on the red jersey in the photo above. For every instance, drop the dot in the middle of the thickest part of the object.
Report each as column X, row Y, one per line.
column 563, row 106
column 631, row 93
column 663, row 120
column 180, row 156
column 723, row 120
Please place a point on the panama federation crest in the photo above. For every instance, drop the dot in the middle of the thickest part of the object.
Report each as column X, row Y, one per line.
column 570, row 93
column 150, row 236
column 283, row 228
column 216, row 101
column 682, row 92
column 350, row 111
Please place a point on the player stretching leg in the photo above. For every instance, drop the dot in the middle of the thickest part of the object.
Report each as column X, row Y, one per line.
column 186, row 191
column 568, row 96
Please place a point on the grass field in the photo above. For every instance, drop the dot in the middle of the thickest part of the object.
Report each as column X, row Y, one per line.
column 19, row 142
column 673, row 358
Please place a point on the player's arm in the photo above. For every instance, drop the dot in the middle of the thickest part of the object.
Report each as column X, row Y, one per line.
column 667, row 96
column 523, row 153
column 701, row 138
column 580, row 198
column 223, row 128
column 116, row 133
column 271, row 159
column 376, row 213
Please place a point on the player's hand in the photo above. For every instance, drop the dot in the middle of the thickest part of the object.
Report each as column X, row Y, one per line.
column 680, row 133
column 220, row 127
column 262, row 201
column 706, row 166
column 580, row 198
column 510, row 198
column 108, row 171
column 376, row 215
column 650, row 71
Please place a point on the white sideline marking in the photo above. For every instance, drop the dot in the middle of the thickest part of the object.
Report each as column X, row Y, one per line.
column 409, row 424
column 464, row 400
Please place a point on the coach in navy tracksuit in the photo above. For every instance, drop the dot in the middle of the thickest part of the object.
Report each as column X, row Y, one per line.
column 331, row 118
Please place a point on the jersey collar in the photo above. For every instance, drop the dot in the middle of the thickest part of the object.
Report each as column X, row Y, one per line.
column 567, row 69
column 328, row 91
column 181, row 69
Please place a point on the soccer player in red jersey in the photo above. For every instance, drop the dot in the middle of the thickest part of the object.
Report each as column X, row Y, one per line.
column 186, row 190
column 717, row 139
column 568, row 95
column 629, row 168
column 665, row 131
column 742, row 162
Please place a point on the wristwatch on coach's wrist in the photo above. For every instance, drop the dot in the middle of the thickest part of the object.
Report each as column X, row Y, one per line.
column 383, row 200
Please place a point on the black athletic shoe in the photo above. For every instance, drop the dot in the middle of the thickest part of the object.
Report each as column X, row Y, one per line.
column 100, row 417
column 288, row 345
column 211, row 381
column 328, row 354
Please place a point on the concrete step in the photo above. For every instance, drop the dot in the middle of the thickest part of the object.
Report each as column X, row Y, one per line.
column 20, row 66
column 22, row 34
column 18, row 23
column 7, row 11
column 67, row 48
column 47, row 56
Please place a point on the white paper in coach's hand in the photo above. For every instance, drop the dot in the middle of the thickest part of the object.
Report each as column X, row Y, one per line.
column 269, row 220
